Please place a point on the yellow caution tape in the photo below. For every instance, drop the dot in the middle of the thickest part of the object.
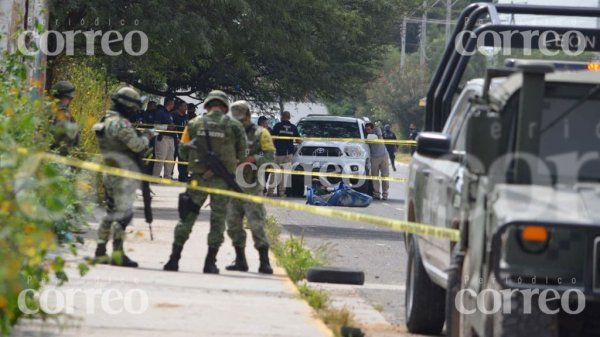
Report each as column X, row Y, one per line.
column 353, row 140
column 290, row 172
column 324, row 139
column 334, row 175
column 404, row 226
column 161, row 131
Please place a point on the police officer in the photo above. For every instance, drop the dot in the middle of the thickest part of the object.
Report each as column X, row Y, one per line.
column 64, row 128
column 228, row 141
column 261, row 151
column 122, row 147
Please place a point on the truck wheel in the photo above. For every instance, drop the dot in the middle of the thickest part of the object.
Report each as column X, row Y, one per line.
column 453, row 328
column 517, row 323
column 424, row 299
column 297, row 188
column 366, row 188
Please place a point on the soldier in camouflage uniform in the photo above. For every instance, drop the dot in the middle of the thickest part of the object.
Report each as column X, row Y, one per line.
column 64, row 129
column 122, row 147
column 261, row 151
column 228, row 141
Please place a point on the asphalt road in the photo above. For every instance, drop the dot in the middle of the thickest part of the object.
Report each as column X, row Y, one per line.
column 378, row 251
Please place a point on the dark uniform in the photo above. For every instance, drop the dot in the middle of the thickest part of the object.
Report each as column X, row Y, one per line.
column 391, row 148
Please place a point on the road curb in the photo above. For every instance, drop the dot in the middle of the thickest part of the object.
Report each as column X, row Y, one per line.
column 278, row 270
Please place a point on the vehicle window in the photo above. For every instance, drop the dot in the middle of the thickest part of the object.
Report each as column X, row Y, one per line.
column 328, row 129
column 458, row 114
column 460, row 141
column 570, row 132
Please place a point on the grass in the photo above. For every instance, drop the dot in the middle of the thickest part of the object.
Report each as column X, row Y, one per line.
column 315, row 298
column 296, row 259
column 291, row 253
column 378, row 307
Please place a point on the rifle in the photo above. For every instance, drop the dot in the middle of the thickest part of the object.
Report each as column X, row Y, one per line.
column 216, row 166
column 147, row 203
column 146, row 193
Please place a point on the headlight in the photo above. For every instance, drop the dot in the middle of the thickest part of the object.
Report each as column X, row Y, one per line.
column 354, row 151
column 533, row 239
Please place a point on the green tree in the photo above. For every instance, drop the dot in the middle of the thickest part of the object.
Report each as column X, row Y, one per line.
column 37, row 197
column 264, row 49
column 393, row 96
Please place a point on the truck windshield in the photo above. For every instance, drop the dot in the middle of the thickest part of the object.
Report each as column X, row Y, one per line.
column 570, row 138
column 329, row 129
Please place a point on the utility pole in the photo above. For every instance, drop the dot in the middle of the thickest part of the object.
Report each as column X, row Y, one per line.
column 423, row 34
column 403, row 47
column 448, row 19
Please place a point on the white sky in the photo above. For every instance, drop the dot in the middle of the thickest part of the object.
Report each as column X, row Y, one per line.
column 554, row 21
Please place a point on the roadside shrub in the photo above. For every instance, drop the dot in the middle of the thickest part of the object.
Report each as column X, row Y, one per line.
column 291, row 254
column 36, row 197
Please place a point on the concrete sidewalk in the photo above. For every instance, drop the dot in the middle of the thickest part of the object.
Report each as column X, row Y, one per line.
column 184, row 303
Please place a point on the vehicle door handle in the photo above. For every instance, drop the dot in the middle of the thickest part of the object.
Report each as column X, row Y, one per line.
column 426, row 173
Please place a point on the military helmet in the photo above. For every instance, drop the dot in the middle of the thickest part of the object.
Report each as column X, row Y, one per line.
column 127, row 97
column 239, row 109
column 63, row 89
column 217, row 95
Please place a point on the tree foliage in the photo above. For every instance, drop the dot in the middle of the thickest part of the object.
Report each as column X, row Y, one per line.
column 393, row 96
column 261, row 49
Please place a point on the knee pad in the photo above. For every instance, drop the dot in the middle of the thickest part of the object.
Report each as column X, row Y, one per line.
column 187, row 206
column 125, row 220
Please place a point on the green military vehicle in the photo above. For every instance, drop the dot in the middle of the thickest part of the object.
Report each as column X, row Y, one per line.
column 512, row 161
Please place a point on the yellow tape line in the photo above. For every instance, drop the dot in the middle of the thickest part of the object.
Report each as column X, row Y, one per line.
column 161, row 131
column 404, row 226
column 351, row 140
column 302, row 173
column 290, row 172
column 334, row 175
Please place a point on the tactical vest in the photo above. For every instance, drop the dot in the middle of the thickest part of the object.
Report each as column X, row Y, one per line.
column 106, row 133
column 222, row 138
column 253, row 133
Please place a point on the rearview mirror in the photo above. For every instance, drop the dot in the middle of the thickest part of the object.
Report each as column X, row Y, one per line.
column 433, row 144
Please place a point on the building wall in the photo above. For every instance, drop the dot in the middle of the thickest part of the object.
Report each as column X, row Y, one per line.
column 17, row 16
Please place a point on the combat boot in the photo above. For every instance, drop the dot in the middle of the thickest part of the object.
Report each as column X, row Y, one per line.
column 100, row 256
column 173, row 264
column 210, row 264
column 265, row 265
column 240, row 263
column 119, row 258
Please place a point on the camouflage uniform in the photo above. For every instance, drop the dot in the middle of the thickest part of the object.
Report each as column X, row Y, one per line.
column 64, row 129
column 261, row 150
column 121, row 147
column 228, row 141
column 120, row 144
column 260, row 145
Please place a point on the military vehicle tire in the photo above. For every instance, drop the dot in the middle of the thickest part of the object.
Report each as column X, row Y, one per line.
column 425, row 300
column 335, row 275
column 517, row 323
